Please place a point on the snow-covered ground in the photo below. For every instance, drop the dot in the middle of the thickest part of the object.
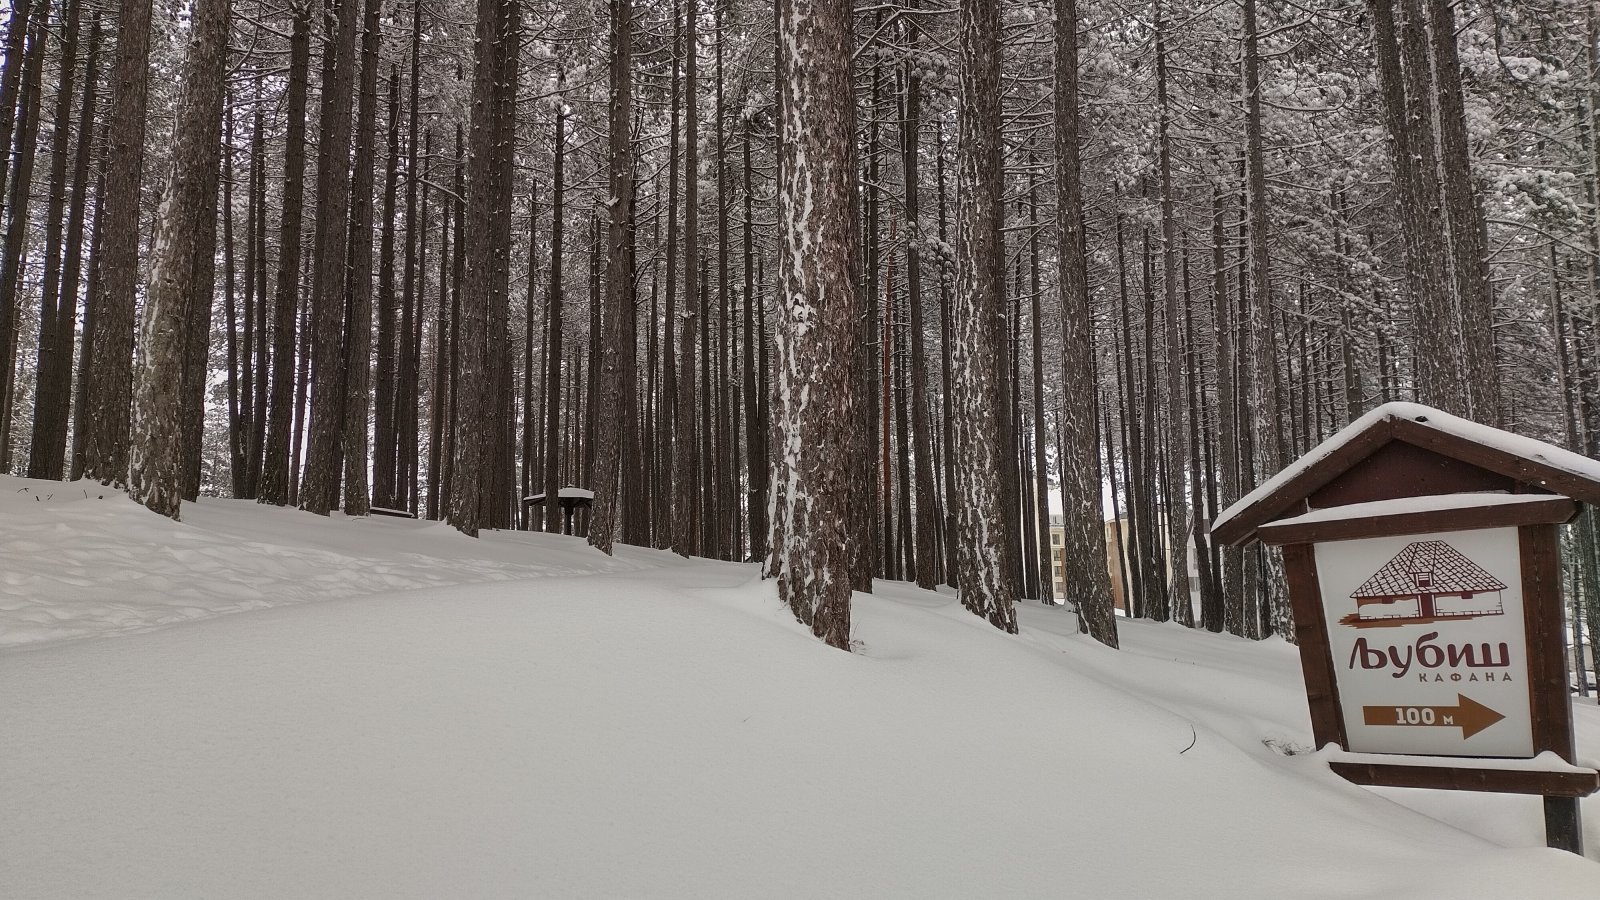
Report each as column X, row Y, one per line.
column 264, row 703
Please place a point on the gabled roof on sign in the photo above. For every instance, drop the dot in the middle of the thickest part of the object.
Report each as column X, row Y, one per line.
column 1450, row 573
column 1523, row 459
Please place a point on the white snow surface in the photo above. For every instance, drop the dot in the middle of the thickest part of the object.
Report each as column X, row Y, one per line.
column 259, row 702
column 1427, row 416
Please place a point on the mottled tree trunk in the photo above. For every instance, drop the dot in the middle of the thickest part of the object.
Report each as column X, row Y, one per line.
column 1469, row 240
column 816, row 453
column 618, row 395
column 553, row 324
column 1266, row 397
column 480, row 347
column 927, row 508
column 986, row 577
column 1178, row 512
column 320, row 492
column 56, row 306
column 358, row 274
column 17, row 203
column 385, row 449
column 110, row 377
column 276, row 464
column 1087, row 584
column 173, row 294
column 686, row 443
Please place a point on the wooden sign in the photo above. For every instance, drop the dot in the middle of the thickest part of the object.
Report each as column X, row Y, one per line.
column 1428, row 644
column 1421, row 555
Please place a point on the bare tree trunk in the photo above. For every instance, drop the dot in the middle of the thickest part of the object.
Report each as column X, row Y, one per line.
column 618, row 395
column 17, row 203
column 1469, row 240
column 328, row 371
column 1088, row 588
column 1228, row 415
column 109, row 388
column 57, row 307
column 927, row 511
column 358, row 272
column 686, row 445
column 276, row 462
column 756, row 450
column 10, row 85
column 155, row 470
column 1269, row 450
column 384, row 444
column 985, row 571
column 815, row 450
column 669, row 438
column 481, row 349
column 439, row 409
column 1178, row 513
column 553, row 352
column 413, row 278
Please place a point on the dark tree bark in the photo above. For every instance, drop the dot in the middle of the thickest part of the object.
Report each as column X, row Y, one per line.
column 385, row 411
column 439, row 415
column 10, row 84
column 616, row 435
column 358, row 269
column 1268, row 447
column 109, row 381
column 276, row 475
column 756, row 453
column 1084, row 535
column 329, row 275
column 1228, row 417
column 17, row 206
column 57, row 307
column 686, row 442
column 178, row 286
column 480, row 347
column 553, row 354
column 1177, row 512
column 816, row 455
column 986, row 573
column 413, row 289
column 1469, row 240
column 261, row 367
column 927, row 508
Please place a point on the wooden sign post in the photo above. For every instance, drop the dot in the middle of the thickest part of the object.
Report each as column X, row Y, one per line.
column 1422, row 557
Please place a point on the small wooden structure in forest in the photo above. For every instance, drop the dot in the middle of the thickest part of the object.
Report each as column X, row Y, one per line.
column 571, row 500
column 1422, row 561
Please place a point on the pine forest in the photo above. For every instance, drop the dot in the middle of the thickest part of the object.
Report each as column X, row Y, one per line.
column 979, row 293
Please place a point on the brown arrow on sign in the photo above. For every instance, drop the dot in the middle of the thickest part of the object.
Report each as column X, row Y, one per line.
column 1470, row 715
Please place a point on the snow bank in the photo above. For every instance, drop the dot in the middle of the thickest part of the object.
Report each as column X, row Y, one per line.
column 82, row 559
column 656, row 728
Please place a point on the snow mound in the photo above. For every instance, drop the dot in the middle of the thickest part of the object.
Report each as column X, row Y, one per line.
column 577, row 726
column 82, row 559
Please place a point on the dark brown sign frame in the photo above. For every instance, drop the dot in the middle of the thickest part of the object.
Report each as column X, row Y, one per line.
column 1403, row 451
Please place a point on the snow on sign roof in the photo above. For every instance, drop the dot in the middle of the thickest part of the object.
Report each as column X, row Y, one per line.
column 1432, row 503
column 1449, row 573
column 1521, row 458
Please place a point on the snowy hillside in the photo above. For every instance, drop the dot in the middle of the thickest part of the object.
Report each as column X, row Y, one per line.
column 263, row 703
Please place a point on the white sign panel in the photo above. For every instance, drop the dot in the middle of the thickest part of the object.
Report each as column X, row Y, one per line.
column 1428, row 642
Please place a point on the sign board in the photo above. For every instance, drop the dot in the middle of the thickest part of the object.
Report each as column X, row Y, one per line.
column 1422, row 562
column 1428, row 642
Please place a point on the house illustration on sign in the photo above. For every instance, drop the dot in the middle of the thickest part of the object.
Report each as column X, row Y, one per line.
column 1426, row 582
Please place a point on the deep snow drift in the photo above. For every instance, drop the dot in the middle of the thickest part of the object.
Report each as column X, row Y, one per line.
column 523, row 717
